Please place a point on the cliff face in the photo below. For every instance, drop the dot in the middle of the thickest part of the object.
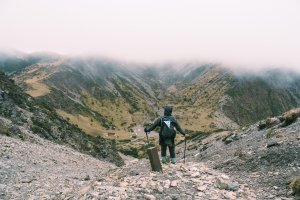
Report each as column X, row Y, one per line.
column 21, row 116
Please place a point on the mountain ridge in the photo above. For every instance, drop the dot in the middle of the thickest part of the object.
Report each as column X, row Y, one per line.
column 118, row 96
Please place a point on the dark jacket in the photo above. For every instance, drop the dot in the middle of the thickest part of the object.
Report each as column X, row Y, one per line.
column 158, row 122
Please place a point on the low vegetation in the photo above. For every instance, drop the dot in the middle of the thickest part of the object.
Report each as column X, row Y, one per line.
column 20, row 111
column 295, row 186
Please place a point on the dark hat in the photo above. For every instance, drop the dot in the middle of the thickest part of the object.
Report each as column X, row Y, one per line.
column 168, row 110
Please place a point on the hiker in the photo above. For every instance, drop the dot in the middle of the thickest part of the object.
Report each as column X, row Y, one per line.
column 167, row 133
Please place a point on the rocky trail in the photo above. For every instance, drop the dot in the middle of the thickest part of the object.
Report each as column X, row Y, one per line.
column 180, row 181
column 40, row 169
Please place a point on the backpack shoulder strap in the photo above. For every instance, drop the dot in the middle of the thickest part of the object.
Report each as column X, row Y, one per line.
column 161, row 124
column 162, row 119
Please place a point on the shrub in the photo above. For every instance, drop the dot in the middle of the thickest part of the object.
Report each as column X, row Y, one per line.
column 270, row 133
column 295, row 186
column 4, row 131
column 130, row 151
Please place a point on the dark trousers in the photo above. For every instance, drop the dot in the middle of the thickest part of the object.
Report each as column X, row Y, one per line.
column 164, row 150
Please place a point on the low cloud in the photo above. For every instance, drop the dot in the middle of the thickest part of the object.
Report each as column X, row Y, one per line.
column 241, row 34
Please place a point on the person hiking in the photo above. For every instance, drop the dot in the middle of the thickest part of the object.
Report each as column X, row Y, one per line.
column 167, row 133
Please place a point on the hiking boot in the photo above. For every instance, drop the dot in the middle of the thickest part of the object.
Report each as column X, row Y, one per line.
column 164, row 160
column 173, row 160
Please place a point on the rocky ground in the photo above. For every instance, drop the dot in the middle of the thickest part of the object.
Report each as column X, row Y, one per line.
column 266, row 159
column 44, row 170
column 253, row 163
column 40, row 169
column 180, row 181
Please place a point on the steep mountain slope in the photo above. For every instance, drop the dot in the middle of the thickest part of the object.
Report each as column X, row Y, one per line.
column 105, row 97
column 198, row 95
column 252, row 98
column 97, row 96
column 21, row 115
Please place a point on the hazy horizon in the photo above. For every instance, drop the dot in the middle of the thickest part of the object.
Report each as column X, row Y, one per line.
column 251, row 34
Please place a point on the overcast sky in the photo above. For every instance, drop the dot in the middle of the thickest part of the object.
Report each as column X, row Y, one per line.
column 235, row 32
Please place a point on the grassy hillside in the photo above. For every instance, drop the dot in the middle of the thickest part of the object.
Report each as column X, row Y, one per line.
column 196, row 101
column 22, row 115
column 108, row 100
column 103, row 96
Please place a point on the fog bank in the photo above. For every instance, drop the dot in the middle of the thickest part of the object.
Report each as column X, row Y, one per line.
column 241, row 34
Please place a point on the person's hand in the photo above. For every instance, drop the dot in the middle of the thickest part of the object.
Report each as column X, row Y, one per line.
column 187, row 136
column 145, row 130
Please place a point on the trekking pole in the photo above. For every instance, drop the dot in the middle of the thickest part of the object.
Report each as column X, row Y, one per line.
column 147, row 138
column 184, row 149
